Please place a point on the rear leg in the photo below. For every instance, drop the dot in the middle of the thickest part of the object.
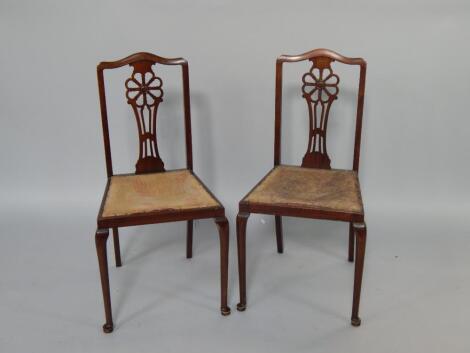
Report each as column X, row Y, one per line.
column 117, row 247
column 279, row 237
column 351, row 243
column 189, row 240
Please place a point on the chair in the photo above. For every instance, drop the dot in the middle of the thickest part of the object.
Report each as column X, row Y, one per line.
column 313, row 190
column 152, row 194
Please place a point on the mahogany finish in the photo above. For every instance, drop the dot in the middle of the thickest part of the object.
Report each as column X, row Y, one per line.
column 320, row 87
column 144, row 93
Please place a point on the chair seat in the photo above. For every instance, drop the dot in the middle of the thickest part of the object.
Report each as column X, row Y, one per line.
column 330, row 190
column 178, row 190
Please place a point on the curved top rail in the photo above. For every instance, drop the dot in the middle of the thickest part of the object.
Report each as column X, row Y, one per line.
column 321, row 53
column 140, row 57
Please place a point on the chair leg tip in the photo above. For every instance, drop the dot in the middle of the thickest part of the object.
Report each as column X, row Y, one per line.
column 241, row 307
column 351, row 259
column 108, row 328
column 355, row 321
column 225, row 311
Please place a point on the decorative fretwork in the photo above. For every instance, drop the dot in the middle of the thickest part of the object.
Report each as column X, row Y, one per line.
column 320, row 89
column 144, row 93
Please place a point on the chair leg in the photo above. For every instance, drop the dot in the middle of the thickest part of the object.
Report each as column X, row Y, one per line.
column 117, row 247
column 100, row 239
column 189, row 240
column 242, row 219
column 280, row 242
column 222, row 225
column 351, row 243
column 361, row 235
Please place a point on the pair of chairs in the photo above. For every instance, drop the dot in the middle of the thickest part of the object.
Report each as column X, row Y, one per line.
column 154, row 195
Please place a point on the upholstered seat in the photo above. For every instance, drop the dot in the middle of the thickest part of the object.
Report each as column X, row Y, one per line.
column 144, row 193
column 318, row 189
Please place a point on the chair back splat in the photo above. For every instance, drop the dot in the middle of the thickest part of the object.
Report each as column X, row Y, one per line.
column 320, row 89
column 144, row 93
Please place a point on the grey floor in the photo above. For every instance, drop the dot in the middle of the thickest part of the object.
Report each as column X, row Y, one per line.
column 415, row 295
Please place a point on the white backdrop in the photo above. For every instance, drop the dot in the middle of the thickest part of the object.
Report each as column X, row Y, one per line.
column 415, row 148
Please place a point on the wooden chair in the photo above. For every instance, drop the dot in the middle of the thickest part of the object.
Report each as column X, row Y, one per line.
column 152, row 194
column 313, row 190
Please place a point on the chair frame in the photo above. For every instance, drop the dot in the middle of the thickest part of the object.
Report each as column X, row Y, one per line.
column 357, row 226
column 103, row 224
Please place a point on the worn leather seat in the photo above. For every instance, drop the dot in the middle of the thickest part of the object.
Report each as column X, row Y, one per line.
column 143, row 193
column 318, row 189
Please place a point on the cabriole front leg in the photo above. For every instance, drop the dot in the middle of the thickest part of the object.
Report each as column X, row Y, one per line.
column 100, row 239
column 222, row 225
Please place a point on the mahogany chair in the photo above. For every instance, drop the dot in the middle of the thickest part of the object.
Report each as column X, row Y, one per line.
column 313, row 190
column 152, row 194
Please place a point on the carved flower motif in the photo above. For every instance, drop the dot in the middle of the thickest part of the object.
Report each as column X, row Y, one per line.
column 320, row 85
column 144, row 89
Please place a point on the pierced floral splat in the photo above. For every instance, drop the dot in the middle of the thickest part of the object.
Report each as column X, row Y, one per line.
column 144, row 93
column 320, row 89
